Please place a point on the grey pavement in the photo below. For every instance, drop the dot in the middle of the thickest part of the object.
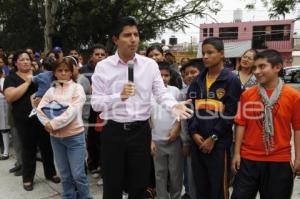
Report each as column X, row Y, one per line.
column 11, row 186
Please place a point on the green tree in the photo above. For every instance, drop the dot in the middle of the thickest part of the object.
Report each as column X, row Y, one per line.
column 21, row 23
column 277, row 7
column 81, row 23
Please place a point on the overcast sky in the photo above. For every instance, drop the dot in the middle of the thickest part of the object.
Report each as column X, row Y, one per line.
column 226, row 15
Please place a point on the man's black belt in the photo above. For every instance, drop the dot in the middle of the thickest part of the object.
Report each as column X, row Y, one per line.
column 128, row 126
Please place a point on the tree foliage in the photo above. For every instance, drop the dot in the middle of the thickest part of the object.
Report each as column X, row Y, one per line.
column 277, row 8
column 81, row 23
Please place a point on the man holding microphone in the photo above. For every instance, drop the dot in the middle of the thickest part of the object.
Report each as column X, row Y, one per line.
column 125, row 106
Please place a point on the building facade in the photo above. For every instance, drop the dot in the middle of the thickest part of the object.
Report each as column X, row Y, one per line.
column 259, row 35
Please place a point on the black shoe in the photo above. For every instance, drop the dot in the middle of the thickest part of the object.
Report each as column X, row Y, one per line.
column 186, row 196
column 4, row 157
column 28, row 187
column 39, row 159
column 54, row 179
column 19, row 172
column 14, row 169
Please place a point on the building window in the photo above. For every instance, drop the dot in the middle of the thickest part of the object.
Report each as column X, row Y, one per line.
column 280, row 33
column 276, row 33
column 259, row 37
column 211, row 32
column 286, row 32
column 205, row 32
column 229, row 33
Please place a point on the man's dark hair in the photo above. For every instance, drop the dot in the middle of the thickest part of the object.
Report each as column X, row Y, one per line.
column 164, row 66
column 97, row 46
column 74, row 49
column 4, row 59
column 195, row 63
column 214, row 41
column 122, row 22
column 272, row 56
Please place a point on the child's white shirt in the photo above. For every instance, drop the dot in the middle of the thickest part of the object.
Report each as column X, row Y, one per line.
column 162, row 120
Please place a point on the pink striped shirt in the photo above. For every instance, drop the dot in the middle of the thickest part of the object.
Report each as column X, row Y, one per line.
column 108, row 81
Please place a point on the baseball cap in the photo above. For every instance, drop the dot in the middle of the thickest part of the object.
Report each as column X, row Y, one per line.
column 57, row 49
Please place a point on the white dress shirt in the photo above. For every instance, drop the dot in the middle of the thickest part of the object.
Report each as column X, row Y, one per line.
column 108, row 81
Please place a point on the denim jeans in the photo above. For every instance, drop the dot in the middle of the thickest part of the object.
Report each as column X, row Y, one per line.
column 69, row 154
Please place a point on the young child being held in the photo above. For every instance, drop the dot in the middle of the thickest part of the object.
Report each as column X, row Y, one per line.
column 43, row 81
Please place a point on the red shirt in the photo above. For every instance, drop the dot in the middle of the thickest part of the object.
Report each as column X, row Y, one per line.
column 286, row 114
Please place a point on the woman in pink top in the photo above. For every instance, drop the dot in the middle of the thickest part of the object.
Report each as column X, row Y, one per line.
column 66, row 130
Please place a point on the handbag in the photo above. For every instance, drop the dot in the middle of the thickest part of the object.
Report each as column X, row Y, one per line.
column 54, row 109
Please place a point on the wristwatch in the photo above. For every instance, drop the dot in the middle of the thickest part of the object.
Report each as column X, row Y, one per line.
column 214, row 137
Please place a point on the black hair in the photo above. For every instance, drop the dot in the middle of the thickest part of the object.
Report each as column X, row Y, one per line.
column 195, row 63
column 73, row 49
column 97, row 46
column 16, row 56
column 48, row 63
column 272, row 56
column 216, row 42
column 154, row 47
column 4, row 59
column 122, row 22
column 184, row 58
column 164, row 66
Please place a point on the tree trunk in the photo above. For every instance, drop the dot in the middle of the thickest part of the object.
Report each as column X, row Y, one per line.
column 50, row 13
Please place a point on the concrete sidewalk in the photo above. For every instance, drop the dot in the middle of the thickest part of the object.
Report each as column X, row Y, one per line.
column 11, row 186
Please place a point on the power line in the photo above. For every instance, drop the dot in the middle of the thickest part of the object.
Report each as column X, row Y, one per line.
column 184, row 33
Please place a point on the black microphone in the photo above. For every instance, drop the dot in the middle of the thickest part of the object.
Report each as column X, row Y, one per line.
column 130, row 71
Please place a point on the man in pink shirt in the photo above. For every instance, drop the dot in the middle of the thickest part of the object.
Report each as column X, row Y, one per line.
column 125, row 106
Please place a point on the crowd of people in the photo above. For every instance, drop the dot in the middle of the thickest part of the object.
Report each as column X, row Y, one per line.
column 195, row 125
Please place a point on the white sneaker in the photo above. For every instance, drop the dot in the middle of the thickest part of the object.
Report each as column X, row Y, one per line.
column 95, row 175
column 100, row 182
column 125, row 195
column 33, row 112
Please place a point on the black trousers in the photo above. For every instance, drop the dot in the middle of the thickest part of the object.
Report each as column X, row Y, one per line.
column 125, row 159
column 273, row 180
column 93, row 143
column 210, row 173
column 33, row 135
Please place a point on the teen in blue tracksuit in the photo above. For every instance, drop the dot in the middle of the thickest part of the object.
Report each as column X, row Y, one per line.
column 215, row 94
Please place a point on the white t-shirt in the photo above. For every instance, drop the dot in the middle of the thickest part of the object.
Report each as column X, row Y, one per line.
column 162, row 120
column 1, row 86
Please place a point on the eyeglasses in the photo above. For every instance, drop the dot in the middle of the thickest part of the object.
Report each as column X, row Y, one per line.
column 248, row 58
